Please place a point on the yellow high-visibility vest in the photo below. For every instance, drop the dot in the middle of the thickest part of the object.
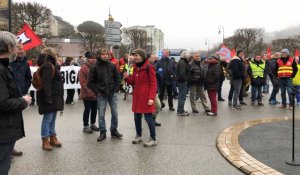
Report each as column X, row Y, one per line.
column 257, row 70
column 296, row 79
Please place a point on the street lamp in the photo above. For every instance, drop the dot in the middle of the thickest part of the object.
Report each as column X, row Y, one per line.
column 221, row 27
column 207, row 43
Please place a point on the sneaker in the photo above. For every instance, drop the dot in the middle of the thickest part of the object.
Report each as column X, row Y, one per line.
column 243, row 103
column 207, row 110
column 150, row 143
column 137, row 140
column 87, row 130
column 211, row 114
column 260, row 104
column 94, row 127
column 195, row 111
column 116, row 134
column 101, row 137
column 236, row 108
column 185, row 113
column 171, row 108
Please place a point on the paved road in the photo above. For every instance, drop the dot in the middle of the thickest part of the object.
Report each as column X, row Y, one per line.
column 186, row 145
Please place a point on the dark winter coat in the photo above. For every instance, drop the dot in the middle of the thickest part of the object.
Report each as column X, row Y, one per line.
column 168, row 71
column 195, row 78
column 51, row 96
column 104, row 78
column 85, row 93
column 22, row 74
column 213, row 75
column 236, row 69
column 183, row 73
column 145, row 87
column 11, row 106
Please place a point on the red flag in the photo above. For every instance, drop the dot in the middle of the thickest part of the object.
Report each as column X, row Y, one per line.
column 232, row 53
column 296, row 54
column 269, row 52
column 28, row 38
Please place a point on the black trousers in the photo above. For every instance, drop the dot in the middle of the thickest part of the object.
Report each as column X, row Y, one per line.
column 5, row 156
column 90, row 107
column 162, row 92
column 70, row 95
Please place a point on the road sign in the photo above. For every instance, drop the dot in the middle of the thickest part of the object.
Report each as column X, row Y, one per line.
column 112, row 24
column 115, row 38
column 113, row 43
column 112, row 31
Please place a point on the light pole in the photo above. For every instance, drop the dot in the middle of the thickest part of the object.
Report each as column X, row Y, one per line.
column 207, row 43
column 221, row 27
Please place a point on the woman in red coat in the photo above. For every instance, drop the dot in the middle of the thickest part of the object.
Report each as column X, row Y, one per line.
column 144, row 92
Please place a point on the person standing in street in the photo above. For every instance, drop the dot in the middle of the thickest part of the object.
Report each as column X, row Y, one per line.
column 274, row 80
column 143, row 97
column 198, row 71
column 50, row 97
column 104, row 81
column 12, row 102
column 183, row 75
column 88, row 96
column 286, row 69
column 257, row 73
column 166, row 70
column 212, row 82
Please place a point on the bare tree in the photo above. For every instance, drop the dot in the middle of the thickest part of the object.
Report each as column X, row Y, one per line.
column 66, row 29
column 91, row 35
column 289, row 43
column 138, row 38
column 34, row 14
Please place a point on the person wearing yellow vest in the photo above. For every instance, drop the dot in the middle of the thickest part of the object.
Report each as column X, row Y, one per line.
column 296, row 82
column 257, row 73
column 286, row 70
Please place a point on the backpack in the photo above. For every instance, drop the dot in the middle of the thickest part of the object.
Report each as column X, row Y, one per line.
column 37, row 79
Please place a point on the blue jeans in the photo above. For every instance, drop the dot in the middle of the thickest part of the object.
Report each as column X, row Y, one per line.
column 266, row 85
column 113, row 103
column 297, row 93
column 285, row 85
column 174, row 88
column 256, row 92
column 48, row 124
column 138, row 124
column 182, row 87
column 237, row 84
column 5, row 156
column 275, row 89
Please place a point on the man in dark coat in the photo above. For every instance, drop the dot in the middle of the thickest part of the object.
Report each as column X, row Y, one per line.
column 104, row 80
column 166, row 73
column 11, row 103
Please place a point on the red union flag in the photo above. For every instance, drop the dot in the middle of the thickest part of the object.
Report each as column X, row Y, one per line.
column 269, row 52
column 28, row 38
column 296, row 54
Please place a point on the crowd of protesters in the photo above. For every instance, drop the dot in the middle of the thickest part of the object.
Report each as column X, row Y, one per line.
column 102, row 77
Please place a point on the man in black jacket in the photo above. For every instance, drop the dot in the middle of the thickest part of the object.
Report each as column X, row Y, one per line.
column 166, row 69
column 11, row 103
column 104, row 80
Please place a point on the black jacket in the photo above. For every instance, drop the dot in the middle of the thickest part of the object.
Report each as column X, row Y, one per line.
column 22, row 74
column 168, row 71
column 183, row 71
column 11, row 106
column 195, row 78
column 236, row 68
column 103, row 78
column 213, row 75
column 51, row 96
column 272, row 67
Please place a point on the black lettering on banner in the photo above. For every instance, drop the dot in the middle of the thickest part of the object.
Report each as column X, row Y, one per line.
column 72, row 77
column 63, row 75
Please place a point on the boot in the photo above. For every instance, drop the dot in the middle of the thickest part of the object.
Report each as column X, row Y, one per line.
column 102, row 136
column 156, row 123
column 46, row 144
column 54, row 141
column 115, row 134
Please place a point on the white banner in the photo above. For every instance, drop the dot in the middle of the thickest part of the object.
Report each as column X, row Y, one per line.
column 69, row 74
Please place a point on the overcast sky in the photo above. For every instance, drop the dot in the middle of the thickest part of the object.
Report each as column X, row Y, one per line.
column 185, row 23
